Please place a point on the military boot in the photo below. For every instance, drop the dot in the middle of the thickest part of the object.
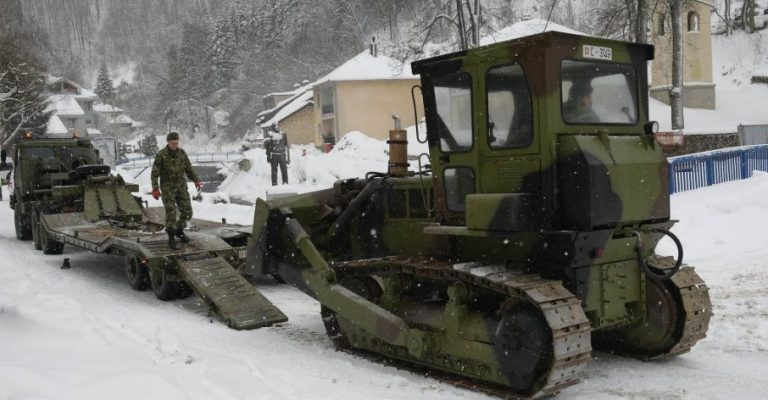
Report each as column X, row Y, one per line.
column 180, row 234
column 172, row 243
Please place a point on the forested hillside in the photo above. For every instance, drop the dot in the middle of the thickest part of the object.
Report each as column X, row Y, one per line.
column 182, row 61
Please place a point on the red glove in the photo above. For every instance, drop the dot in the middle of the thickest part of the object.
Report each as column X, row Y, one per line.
column 198, row 185
column 156, row 194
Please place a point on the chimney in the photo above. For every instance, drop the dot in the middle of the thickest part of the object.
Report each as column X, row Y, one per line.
column 374, row 47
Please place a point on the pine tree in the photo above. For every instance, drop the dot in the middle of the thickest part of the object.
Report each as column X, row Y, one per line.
column 104, row 88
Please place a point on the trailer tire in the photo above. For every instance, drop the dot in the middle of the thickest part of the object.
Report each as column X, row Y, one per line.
column 163, row 288
column 23, row 225
column 137, row 273
column 47, row 243
column 183, row 290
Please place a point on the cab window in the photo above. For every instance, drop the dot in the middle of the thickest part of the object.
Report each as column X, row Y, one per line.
column 28, row 153
column 596, row 93
column 509, row 108
column 453, row 100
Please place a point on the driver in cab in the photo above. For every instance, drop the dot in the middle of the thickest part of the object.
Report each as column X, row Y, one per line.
column 578, row 108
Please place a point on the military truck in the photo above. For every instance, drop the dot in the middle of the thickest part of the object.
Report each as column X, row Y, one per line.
column 528, row 240
column 63, row 195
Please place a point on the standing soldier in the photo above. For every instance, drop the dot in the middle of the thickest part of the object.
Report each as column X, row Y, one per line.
column 277, row 153
column 171, row 164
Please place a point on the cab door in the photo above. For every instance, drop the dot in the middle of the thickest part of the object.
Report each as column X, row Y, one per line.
column 451, row 105
column 511, row 161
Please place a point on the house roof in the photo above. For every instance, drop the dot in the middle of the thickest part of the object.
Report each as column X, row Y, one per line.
column 365, row 66
column 298, row 103
column 526, row 28
column 64, row 105
column 55, row 126
column 124, row 119
column 82, row 93
column 106, row 108
column 294, row 94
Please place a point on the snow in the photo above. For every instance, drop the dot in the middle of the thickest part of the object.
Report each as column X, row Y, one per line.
column 64, row 105
column 365, row 66
column 106, row 108
column 93, row 131
column 55, row 126
column 124, row 119
column 295, row 104
column 526, row 28
column 83, row 333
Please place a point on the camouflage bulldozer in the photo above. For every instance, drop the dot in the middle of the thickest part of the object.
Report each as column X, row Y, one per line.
column 528, row 241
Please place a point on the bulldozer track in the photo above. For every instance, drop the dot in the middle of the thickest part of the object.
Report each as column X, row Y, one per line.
column 569, row 326
column 694, row 295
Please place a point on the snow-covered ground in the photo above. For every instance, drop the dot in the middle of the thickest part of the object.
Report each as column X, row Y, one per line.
column 84, row 334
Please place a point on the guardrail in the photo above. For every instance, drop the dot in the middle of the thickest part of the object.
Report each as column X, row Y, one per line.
column 709, row 168
column 194, row 158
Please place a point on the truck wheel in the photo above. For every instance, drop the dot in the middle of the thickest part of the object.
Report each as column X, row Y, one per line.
column 23, row 226
column 163, row 288
column 47, row 243
column 137, row 273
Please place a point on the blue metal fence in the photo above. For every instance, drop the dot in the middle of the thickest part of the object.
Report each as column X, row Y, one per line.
column 713, row 167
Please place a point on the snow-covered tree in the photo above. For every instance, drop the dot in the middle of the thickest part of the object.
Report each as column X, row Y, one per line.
column 23, row 99
column 104, row 88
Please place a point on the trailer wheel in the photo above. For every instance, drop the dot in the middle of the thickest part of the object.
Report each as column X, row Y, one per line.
column 183, row 290
column 137, row 273
column 163, row 288
column 47, row 243
column 23, row 225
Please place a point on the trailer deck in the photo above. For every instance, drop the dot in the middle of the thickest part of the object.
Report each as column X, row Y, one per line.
column 207, row 263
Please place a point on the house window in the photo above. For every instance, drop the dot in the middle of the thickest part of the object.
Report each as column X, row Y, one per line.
column 87, row 105
column 693, row 22
column 88, row 121
column 662, row 24
column 326, row 100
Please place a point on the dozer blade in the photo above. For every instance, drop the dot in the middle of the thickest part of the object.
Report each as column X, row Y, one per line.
column 233, row 298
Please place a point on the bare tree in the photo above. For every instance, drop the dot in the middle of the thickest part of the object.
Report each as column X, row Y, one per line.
column 641, row 28
column 676, row 91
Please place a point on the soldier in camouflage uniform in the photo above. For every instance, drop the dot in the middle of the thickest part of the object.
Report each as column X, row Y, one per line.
column 277, row 153
column 171, row 164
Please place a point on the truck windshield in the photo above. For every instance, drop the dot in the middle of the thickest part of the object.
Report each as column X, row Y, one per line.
column 597, row 93
column 28, row 153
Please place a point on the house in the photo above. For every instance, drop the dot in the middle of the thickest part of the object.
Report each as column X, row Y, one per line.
column 362, row 95
column 107, row 113
column 296, row 118
column 72, row 106
column 698, row 86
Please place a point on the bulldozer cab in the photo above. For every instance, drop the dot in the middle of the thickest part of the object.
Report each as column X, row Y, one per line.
column 495, row 116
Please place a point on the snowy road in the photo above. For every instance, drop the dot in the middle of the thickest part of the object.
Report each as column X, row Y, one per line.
column 84, row 334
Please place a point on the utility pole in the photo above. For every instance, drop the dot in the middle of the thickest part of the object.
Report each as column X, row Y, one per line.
column 676, row 92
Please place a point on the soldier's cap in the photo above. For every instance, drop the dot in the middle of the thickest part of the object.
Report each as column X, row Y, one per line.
column 580, row 89
column 172, row 136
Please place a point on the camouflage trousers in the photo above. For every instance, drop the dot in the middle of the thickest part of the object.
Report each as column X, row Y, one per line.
column 176, row 198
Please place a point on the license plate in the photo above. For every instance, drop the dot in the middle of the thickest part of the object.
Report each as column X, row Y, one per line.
column 597, row 52
column 242, row 254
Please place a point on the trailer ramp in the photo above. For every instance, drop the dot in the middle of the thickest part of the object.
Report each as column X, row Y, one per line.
column 227, row 292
